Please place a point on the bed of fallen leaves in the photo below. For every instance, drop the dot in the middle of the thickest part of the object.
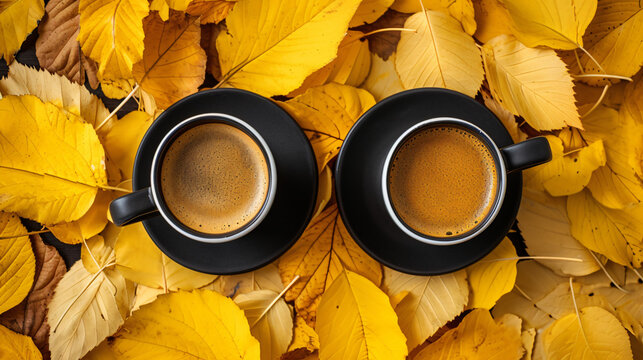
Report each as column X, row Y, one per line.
column 568, row 70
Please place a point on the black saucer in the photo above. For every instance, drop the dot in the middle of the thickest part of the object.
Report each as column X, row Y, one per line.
column 358, row 182
column 296, row 184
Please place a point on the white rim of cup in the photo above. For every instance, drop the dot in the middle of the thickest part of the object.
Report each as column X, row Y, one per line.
column 272, row 187
column 502, row 182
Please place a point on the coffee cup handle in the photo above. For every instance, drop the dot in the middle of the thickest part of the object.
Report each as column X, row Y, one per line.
column 526, row 154
column 133, row 207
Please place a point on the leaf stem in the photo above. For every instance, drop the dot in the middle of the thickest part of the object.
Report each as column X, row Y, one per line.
column 25, row 234
column 598, row 102
column 386, row 29
column 609, row 76
column 274, row 301
column 580, row 324
column 90, row 252
column 107, row 187
column 609, row 276
column 131, row 93
column 535, row 258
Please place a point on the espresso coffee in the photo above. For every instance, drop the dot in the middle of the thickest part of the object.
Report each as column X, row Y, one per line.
column 214, row 178
column 443, row 181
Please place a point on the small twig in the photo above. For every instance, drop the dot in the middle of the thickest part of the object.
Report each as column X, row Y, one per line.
column 386, row 29
column 523, row 293
column 598, row 102
column 107, row 187
column 637, row 273
column 580, row 324
column 535, row 258
column 274, row 301
column 608, row 76
column 131, row 93
column 609, row 276
column 580, row 66
column 90, row 253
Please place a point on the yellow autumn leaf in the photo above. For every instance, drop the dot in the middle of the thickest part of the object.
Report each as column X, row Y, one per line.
column 17, row 19
column 593, row 334
column 304, row 36
column 631, row 114
column 382, row 80
column 462, row 10
column 617, row 234
column 505, row 116
column 274, row 329
column 428, row 304
column 552, row 23
column 56, row 180
column 478, row 337
column 438, row 54
column 99, row 250
column 492, row 19
column 117, row 88
column 492, row 276
column 319, row 257
column 326, row 114
column 304, row 336
column 369, row 11
column 566, row 173
column 111, row 33
column 324, row 190
column 17, row 262
column 141, row 261
column 123, row 139
column 530, row 82
column 173, row 64
column 201, row 324
column 17, row 347
column 546, row 229
column 85, row 309
column 265, row 278
column 210, row 11
column 356, row 321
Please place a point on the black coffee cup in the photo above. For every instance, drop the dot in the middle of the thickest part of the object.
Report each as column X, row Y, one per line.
column 364, row 164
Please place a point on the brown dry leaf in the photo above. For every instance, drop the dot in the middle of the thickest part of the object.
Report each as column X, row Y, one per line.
column 209, row 33
column 17, row 347
column 383, row 44
column 322, row 253
column 369, row 11
column 17, row 19
column 57, row 46
column 304, row 336
column 17, row 262
column 492, row 19
column 326, row 114
column 210, row 11
column 173, row 64
column 28, row 317
column 382, row 80
column 478, row 337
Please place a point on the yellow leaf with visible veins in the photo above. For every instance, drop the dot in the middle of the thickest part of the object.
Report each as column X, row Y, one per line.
column 531, row 82
column 85, row 309
column 553, row 23
column 438, row 54
column 462, row 10
column 326, row 114
column 173, row 64
column 272, row 46
column 211, row 11
column 17, row 19
column 111, row 33
column 616, row 234
column 319, row 257
column 369, row 11
column 356, row 321
column 478, row 337
column 201, row 324
column 140, row 260
column 16, row 346
column 595, row 334
column 17, row 262
column 382, row 81
column 57, row 179
column 123, row 139
column 429, row 303
column 492, row 276
column 265, row 278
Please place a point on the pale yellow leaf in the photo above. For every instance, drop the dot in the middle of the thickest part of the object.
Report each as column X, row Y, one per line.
column 492, row 19
column 265, row 278
column 85, row 309
column 617, row 234
column 123, row 139
column 145, row 295
column 201, row 324
column 99, row 250
column 210, row 11
column 530, row 82
column 477, row 337
column 382, row 81
column 553, row 23
column 492, row 276
column 51, row 162
column 438, row 54
column 17, row 19
column 141, row 261
column 594, row 334
column 304, row 336
column 430, row 302
column 546, row 229
column 528, row 337
column 303, row 36
column 369, row 11
column 275, row 329
column 111, row 33
column 356, row 321
column 462, row 10
column 15, row 346
column 326, row 114
column 322, row 253
column 17, row 262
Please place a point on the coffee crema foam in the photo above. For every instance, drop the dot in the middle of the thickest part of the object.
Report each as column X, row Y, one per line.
column 443, row 181
column 214, row 178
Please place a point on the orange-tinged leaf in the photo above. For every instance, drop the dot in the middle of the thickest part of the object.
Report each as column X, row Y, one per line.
column 173, row 64
column 17, row 262
column 56, row 180
column 16, row 346
column 492, row 19
column 356, row 321
column 210, row 11
column 304, row 336
column 478, row 337
column 369, row 11
column 319, row 257
column 493, row 276
column 17, row 19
